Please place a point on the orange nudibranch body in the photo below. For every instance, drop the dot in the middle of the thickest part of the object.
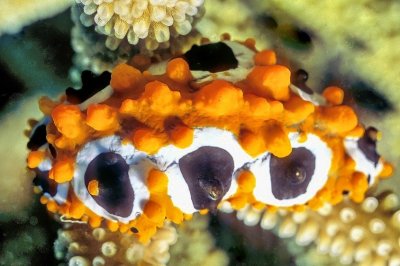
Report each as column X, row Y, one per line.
column 220, row 125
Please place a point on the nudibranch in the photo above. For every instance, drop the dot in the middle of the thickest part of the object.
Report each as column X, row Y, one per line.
column 221, row 125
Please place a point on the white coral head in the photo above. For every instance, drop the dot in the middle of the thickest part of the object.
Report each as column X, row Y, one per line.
column 155, row 21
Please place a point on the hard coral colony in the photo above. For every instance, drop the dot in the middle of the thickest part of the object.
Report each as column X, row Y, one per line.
column 152, row 22
column 220, row 126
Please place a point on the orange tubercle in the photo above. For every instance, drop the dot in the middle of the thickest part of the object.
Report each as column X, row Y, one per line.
column 178, row 70
column 334, row 95
column 258, row 107
column 359, row 186
column 337, row 119
column 154, row 211
column 252, row 143
column 102, row 117
column 112, row 226
column 181, row 136
column 95, row 222
column 69, row 121
column 297, row 110
column 52, row 206
column 238, row 201
column 125, row 77
column 315, row 203
column 276, row 139
column 160, row 99
column 270, row 81
column 357, row 132
column 387, row 170
column 265, row 58
column 43, row 200
column 246, row 182
column 243, row 196
column 148, row 140
column 62, row 171
column 93, row 187
column 219, row 98
column 46, row 105
column 35, row 158
column 76, row 208
column 157, row 181
column 203, row 212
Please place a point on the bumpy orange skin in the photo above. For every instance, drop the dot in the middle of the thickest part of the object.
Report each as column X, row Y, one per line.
column 260, row 111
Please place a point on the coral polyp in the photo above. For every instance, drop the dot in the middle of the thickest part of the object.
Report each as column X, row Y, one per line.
column 219, row 126
column 365, row 233
column 155, row 21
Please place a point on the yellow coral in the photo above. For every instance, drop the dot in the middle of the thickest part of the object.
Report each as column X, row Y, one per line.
column 364, row 233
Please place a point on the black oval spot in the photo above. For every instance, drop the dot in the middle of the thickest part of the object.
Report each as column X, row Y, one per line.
column 116, row 194
column 46, row 185
column 290, row 176
column 91, row 84
column 38, row 138
column 367, row 144
column 208, row 173
column 213, row 57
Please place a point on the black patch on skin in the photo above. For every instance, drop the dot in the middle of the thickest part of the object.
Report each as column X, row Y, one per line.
column 116, row 194
column 213, row 57
column 299, row 79
column 285, row 184
column 367, row 144
column 208, row 173
column 53, row 151
column 91, row 84
column 46, row 184
column 38, row 138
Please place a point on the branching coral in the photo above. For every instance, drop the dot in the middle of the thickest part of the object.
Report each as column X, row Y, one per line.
column 195, row 245
column 91, row 52
column 80, row 245
column 354, row 233
column 155, row 21
column 189, row 244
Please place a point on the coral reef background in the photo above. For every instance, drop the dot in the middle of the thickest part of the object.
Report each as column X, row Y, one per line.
column 356, row 53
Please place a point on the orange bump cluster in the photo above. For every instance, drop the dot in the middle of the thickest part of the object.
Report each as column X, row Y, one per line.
column 260, row 111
